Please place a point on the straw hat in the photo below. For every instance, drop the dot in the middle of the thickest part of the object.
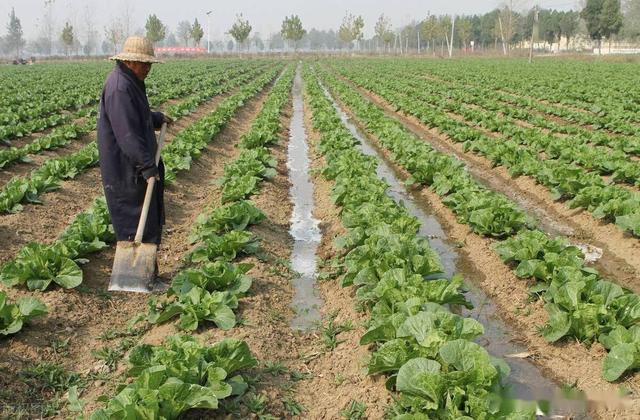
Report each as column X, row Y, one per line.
column 137, row 48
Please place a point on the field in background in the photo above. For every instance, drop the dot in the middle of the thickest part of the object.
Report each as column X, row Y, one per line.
column 475, row 215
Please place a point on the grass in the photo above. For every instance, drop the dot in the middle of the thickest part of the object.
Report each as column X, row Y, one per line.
column 60, row 347
column 50, row 377
column 256, row 403
column 292, row 407
column 297, row 375
column 331, row 330
column 275, row 368
column 354, row 411
column 112, row 355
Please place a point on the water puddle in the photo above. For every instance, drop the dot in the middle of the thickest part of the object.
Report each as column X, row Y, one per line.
column 526, row 379
column 304, row 228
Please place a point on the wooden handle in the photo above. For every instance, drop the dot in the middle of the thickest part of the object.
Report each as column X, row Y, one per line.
column 151, row 183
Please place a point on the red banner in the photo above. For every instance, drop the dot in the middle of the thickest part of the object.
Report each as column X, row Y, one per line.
column 193, row 50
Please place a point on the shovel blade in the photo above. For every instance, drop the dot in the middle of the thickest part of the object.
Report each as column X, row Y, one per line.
column 133, row 267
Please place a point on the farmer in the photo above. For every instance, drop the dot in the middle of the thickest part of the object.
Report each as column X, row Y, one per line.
column 127, row 143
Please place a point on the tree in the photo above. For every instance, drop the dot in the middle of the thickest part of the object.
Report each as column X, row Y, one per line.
column 114, row 33
column 197, row 32
column 603, row 18
column 292, row 30
column 256, row 40
column 240, row 30
column 275, row 41
column 429, row 31
column 569, row 22
column 383, row 31
column 14, row 38
column 444, row 31
column 549, row 23
column 47, row 28
column 90, row 33
column 464, row 28
column 67, row 37
column 351, row 29
column 156, row 31
column 631, row 20
column 592, row 16
column 611, row 19
column 184, row 32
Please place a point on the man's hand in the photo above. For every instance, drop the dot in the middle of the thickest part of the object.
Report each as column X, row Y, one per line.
column 151, row 173
column 167, row 119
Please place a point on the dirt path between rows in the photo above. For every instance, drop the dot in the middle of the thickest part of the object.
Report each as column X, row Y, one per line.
column 621, row 251
column 566, row 363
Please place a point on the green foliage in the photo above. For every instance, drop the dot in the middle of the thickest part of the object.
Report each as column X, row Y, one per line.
column 180, row 375
column 354, row 411
column 398, row 278
column 197, row 32
column 292, row 29
column 38, row 265
column 209, row 287
column 351, row 29
column 67, row 36
column 240, row 29
column 603, row 18
column 580, row 304
column 155, row 29
column 14, row 37
column 13, row 316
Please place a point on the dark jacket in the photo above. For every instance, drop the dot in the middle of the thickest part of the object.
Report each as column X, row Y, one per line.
column 127, row 148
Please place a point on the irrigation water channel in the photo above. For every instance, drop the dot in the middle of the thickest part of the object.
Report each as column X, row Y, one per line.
column 304, row 227
column 526, row 379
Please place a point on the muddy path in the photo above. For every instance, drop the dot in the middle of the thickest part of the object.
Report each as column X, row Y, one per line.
column 621, row 251
column 81, row 316
column 506, row 300
column 339, row 376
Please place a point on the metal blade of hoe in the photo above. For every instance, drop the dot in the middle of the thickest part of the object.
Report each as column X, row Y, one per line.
column 133, row 267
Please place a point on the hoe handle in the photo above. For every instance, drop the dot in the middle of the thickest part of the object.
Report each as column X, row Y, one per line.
column 151, row 182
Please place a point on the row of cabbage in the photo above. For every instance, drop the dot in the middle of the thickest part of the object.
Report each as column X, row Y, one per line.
column 166, row 88
column 610, row 203
column 183, row 374
column 601, row 94
column 208, row 287
column 580, row 303
column 52, row 95
column 588, row 148
column 38, row 265
column 427, row 352
column 48, row 176
column 583, row 127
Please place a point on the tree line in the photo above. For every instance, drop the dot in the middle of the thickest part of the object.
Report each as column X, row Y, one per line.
column 502, row 28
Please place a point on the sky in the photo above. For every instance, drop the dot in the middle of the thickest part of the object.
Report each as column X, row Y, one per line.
column 264, row 16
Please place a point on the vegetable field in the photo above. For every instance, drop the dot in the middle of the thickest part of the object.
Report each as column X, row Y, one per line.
column 467, row 244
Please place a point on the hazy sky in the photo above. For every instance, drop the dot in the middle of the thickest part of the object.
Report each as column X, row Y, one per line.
column 265, row 16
